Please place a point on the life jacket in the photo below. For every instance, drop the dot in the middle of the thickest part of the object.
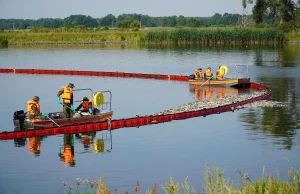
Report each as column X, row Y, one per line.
column 67, row 95
column 85, row 105
column 29, row 106
column 208, row 72
column 198, row 74
column 220, row 75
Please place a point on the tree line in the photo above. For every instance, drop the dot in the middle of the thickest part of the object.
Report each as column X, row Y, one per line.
column 263, row 11
column 121, row 21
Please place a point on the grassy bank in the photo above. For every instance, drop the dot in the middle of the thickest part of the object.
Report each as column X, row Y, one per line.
column 215, row 183
column 56, row 37
column 205, row 35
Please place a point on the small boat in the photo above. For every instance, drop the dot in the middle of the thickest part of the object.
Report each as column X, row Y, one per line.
column 234, row 78
column 102, row 112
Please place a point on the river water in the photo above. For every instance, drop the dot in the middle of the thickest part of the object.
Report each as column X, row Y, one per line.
column 250, row 138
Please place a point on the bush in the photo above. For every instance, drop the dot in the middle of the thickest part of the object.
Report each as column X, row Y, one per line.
column 4, row 43
column 288, row 26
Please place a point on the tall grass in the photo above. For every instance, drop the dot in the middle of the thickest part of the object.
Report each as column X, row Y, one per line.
column 207, row 36
column 214, row 36
column 215, row 183
column 61, row 37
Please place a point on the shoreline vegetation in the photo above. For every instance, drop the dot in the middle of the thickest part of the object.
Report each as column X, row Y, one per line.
column 215, row 183
column 203, row 35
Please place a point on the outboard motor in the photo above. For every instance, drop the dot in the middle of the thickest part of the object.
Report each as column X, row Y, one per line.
column 192, row 76
column 19, row 117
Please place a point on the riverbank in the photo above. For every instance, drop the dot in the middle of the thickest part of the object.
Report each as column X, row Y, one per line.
column 206, row 36
column 214, row 183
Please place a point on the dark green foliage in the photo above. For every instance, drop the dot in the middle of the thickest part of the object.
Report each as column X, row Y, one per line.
column 215, row 36
column 259, row 11
column 288, row 26
column 80, row 20
column 3, row 43
column 108, row 20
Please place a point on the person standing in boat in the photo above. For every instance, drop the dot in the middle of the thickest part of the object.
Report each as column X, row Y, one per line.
column 66, row 94
column 198, row 73
column 34, row 109
column 208, row 74
column 86, row 105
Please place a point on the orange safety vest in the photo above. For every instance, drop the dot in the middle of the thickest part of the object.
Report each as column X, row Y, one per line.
column 67, row 95
column 29, row 107
column 198, row 74
column 85, row 105
column 208, row 73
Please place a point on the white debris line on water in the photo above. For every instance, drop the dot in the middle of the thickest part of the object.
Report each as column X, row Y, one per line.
column 230, row 99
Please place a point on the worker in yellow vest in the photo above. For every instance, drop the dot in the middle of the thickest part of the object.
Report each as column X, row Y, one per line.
column 208, row 74
column 66, row 94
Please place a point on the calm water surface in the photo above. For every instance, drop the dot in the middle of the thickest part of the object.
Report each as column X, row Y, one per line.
column 249, row 138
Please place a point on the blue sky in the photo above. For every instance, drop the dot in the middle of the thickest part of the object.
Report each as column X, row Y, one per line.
column 34, row 9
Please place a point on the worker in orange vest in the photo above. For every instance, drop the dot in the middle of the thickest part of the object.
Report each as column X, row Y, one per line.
column 34, row 109
column 198, row 73
column 86, row 105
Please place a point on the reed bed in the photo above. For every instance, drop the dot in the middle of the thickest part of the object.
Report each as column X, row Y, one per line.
column 215, row 36
column 215, row 183
column 27, row 37
column 207, row 36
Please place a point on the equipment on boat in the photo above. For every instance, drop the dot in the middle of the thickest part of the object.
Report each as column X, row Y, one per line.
column 98, row 99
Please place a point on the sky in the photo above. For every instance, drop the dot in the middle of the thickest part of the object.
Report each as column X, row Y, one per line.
column 35, row 9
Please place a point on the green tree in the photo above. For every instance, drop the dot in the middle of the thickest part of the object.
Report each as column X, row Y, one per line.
column 259, row 11
column 135, row 24
column 108, row 20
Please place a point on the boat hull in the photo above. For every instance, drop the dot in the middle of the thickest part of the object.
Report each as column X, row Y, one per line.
column 225, row 82
column 41, row 124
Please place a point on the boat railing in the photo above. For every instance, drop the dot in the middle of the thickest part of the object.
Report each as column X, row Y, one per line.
column 241, row 72
column 107, row 98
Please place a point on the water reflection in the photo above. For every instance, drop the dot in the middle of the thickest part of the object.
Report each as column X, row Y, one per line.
column 285, row 56
column 208, row 92
column 34, row 145
column 66, row 152
column 279, row 122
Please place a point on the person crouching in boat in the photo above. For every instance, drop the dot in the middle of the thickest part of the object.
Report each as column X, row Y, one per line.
column 34, row 109
column 66, row 94
column 198, row 73
column 86, row 105
column 220, row 74
column 208, row 74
